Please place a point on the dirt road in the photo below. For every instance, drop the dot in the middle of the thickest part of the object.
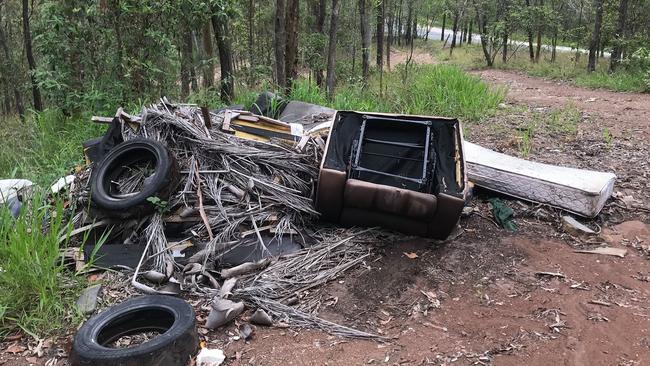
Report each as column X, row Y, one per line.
column 627, row 115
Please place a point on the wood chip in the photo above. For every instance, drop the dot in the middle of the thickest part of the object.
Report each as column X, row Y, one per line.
column 598, row 302
column 550, row 274
column 617, row 252
column 411, row 255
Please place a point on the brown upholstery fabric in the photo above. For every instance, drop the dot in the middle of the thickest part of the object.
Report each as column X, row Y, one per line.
column 329, row 196
column 390, row 200
column 446, row 217
column 358, row 217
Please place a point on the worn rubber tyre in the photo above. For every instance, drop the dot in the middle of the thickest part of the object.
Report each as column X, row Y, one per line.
column 172, row 317
column 160, row 184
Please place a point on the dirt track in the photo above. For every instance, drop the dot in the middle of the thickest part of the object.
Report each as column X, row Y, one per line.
column 487, row 305
column 625, row 114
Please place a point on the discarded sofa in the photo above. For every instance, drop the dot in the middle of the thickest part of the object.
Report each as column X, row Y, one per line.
column 405, row 173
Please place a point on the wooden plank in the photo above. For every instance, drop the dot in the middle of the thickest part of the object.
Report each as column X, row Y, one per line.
column 98, row 119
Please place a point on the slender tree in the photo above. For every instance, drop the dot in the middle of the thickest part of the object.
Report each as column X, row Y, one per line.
column 481, row 22
column 595, row 36
column 7, row 77
column 280, row 43
column 504, row 45
column 389, row 40
column 538, row 51
column 366, row 38
column 186, row 62
column 208, row 50
column 222, row 34
column 291, row 52
column 251, row 39
column 381, row 16
column 619, row 36
column 529, row 31
column 331, row 49
column 444, row 21
column 27, row 35
column 319, row 8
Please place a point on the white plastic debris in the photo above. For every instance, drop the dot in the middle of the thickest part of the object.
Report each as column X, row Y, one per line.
column 9, row 188
column 210, row 357
column 62, row 183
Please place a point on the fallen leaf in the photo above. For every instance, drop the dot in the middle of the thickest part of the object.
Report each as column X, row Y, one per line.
column 15, row 348
column 411, row 255
column 31, row 359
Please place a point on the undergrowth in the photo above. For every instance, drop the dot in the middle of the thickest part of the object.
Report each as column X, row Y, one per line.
column 440, row 90
column 45, row 146
column 36, row 294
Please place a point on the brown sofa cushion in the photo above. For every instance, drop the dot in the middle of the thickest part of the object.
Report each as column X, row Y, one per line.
column 387, row 199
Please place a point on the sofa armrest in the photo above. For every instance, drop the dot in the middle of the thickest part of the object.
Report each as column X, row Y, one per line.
column 446, row 217
column 329, row 196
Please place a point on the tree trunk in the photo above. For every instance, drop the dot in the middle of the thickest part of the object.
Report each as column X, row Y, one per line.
column 414, row 32
column 18, row 99
column 208, row 70
column 408, row 35
column 399, row 23
column 482, row 29
column 389, row 41
column 619, row 36
column 221, row 33
column 280, row 43
column 291, row 54
column 539, row 36
column 320, row 10
column 381, row 16
column 426, row 27
column 251, row 41
column 365, row 39
column 554, row 46
column 595, row 37
column 186, row 56
column 453, row 32
column 504, row 45
column 529, row 31
column 331, row 49
column 27, row 34
column 469, row 35
column 444, row 21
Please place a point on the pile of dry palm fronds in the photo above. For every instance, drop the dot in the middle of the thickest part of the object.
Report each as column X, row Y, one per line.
column 233, row 186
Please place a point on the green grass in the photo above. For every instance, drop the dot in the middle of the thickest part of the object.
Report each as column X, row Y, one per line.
column 36, row 294
column 44, row 147
column 440, row 90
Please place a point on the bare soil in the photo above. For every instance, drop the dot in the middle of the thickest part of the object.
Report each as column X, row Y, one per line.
column 480, row 298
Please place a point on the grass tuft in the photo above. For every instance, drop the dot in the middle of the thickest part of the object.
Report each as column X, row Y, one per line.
column 36, row 295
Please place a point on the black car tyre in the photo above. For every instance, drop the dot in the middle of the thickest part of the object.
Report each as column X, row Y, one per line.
column 171, row 317
column 159, row 184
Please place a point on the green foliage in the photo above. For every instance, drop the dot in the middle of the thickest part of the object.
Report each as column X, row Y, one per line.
column 526, row 136
column 608, row 138
column 441, row 90
column 159, row 205
column 36, row 295
column 564, row 120
column 45, row 147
